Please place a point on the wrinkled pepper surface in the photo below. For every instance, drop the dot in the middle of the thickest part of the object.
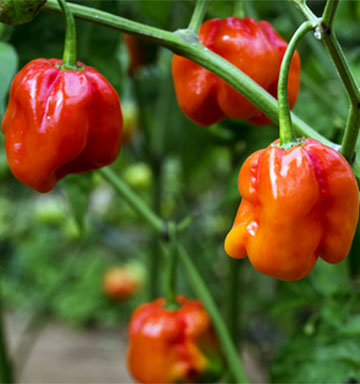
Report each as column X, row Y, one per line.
column 60, row 122
column 252, row 46
column 173, row 346
column 297, row 205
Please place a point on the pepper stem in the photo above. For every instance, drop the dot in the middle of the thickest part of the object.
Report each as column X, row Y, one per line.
column 287, row 133
column 198, row 15
column 171, row 283
column 69, row 56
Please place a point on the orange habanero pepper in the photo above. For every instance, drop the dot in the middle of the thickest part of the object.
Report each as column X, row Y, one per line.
column 60, row 122
column 252, row 46
column 297, row 205
column 173, row 346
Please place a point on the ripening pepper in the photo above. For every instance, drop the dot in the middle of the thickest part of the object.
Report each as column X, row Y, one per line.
column 122, row 282
column 252, row 46
column 297, row 204
column 173, row 346
column 60, row 122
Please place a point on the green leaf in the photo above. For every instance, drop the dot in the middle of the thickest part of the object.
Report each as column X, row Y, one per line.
column 8, row 67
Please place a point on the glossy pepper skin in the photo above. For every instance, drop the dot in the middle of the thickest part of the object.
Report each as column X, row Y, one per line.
column 60, row 122
column 297, row 205
column 173, row 346
column 252, row 46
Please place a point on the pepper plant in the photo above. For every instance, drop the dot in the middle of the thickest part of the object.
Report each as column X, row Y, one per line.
column 338, row 188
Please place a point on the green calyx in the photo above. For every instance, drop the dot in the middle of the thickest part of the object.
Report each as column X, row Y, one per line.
column 288, row 145
column 70, row 67
column 15, row 12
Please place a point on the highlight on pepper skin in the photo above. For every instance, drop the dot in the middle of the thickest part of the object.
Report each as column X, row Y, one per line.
column 172, row 346
column 297, row 205
column 252, row 46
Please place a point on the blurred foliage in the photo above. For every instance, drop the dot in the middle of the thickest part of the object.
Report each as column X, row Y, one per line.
column 55, row 248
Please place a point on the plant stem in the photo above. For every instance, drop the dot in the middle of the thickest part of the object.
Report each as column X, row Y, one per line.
column 180, row 44
column 301, row 4
column 200, row 288
column 171, row 282
column 69, row 56
column 287, row 133
column 342, row 66
column 329, row 12
column 6, row 374
column 133, row 200
column 351, row 134
column 232, row 357
column 198, row 15
column 347, row 77
column 239, row 8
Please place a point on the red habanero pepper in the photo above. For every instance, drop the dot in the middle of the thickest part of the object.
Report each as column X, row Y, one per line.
column 60, row 122
column 252, row 46
column 297, row 205
column 173, row 346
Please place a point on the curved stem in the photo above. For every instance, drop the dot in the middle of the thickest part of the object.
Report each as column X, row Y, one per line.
column 301, row 4
column 69, row 56
column 198, row 15
column 287, row 133
column 199, row 54
column 343, row 67
column 232, row 358
column 133, row 200
column 171, row 282
column 239, row 8
column 329, row 12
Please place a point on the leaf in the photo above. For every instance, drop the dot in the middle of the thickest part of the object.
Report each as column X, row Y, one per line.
column 8, row 67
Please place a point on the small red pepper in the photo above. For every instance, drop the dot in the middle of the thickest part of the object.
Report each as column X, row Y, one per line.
column 173, row 346
column 60, row 122
column 297, row 205
column 122, row 282
column 252, row 46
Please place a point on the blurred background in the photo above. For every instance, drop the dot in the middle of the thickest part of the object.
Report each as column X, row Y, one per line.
column 65, row 322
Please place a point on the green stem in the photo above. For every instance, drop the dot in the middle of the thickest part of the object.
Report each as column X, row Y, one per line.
column 198, row 15
column 6, row 374
column 239, row 8
column 287, row 133
column 171, row 282
column 133, row 200
column 329, row 12
column 343, row 67
column 231, row 355
column 351, row 134
column 301, row 4
column 182, row 43
column 69, row 56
